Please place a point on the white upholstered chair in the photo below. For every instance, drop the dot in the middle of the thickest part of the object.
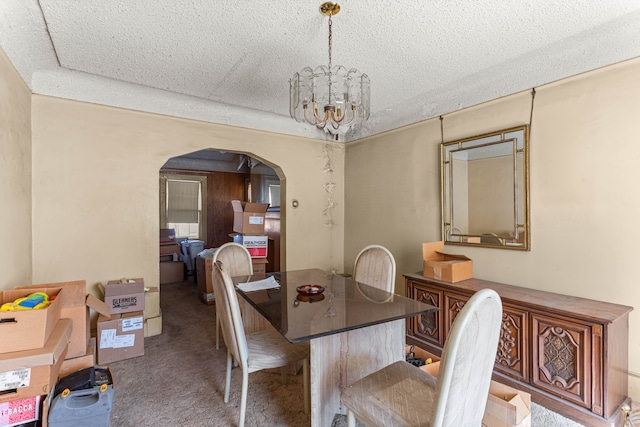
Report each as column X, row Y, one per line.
column 253, row 352
column 403, row 395
column 375, row 266
column 237, row 262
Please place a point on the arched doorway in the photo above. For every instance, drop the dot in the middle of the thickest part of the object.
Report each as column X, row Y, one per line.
column 215, row 178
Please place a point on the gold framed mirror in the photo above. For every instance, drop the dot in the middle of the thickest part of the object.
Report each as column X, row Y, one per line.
column 485, row 190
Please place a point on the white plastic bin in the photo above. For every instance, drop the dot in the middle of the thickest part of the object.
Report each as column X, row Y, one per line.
column 190, row 249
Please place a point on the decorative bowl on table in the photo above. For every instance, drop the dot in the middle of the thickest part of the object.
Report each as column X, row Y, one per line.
column 308, row 298
column 310, row 290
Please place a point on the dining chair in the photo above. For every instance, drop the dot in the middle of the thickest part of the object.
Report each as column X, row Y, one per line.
column 375, row 266
column 404, row 395
column 253, row 352
column 237, row 262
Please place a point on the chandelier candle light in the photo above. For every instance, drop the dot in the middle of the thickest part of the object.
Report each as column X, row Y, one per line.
column 330, row 97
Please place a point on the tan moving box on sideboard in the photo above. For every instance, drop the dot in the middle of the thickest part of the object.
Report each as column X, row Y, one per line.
column 446, row 267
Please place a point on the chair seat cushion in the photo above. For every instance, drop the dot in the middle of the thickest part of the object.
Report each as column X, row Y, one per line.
column 397, row 395
column 268, row 349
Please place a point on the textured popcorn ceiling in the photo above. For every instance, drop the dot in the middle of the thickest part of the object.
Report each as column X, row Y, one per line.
column 229, row 61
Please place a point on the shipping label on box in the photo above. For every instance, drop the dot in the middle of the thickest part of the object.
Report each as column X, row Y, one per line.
column 15, row 379
column 120, row 337
column 256, row 245
column 21, row 411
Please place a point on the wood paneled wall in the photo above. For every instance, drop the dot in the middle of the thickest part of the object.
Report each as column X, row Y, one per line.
column 222, row 187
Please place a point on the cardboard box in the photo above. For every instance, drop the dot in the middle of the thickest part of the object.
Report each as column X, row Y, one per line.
column 151, row 302
column 259, row 265
column 153, row 326
column 445, row 267
column 171, row 272
column 204, row 267
column 29, row 329
column 169, row 249
column 431, row 368
column 506, row 406
column 69, row 366
column 20, row 411
column 169, row 258
column 248, row 218
column 73, row 308
column 34, row 372
column 167, row 235
column 119, row 336
column 256, row 245
column 124, row 295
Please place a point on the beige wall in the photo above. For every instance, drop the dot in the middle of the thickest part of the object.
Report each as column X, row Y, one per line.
column 95, row 189
column 15, row 177
column 585, row 157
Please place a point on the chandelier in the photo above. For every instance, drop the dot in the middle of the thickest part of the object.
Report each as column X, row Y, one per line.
column 330, row 97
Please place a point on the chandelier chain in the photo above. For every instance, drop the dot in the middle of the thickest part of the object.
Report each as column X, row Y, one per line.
column 330, row 41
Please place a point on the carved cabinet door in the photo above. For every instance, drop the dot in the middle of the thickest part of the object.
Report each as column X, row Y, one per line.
column 512, row 357
column 453, row 304
column 561, row 358
column 428, row 327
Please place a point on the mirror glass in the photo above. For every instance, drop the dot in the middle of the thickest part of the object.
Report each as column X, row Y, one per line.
column 485, row 190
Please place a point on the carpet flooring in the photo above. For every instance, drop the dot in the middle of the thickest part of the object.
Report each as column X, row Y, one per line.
column 180, row 379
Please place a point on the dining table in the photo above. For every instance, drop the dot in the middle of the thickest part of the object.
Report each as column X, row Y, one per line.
column 353, row 329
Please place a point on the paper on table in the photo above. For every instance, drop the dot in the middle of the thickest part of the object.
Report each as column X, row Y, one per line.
column 258, row 285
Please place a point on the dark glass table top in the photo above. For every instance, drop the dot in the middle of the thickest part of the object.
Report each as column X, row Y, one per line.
column 344, row 305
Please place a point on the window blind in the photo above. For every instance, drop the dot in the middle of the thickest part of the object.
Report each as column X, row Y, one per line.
column 183, row 201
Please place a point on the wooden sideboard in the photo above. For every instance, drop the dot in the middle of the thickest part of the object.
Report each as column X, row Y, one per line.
column 570, row 353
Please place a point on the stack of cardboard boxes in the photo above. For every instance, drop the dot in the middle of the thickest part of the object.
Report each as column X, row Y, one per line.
column 38, row 346
column 120, row 327
column 248, row 227
column 171, row 268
